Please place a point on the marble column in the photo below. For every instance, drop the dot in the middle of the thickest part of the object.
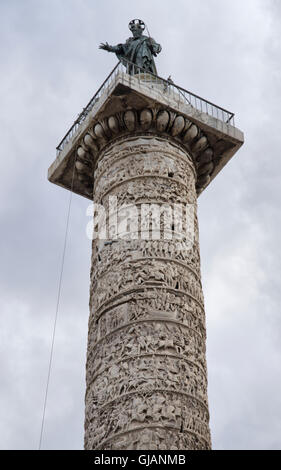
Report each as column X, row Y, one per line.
column 146, row 145
column 146, row 364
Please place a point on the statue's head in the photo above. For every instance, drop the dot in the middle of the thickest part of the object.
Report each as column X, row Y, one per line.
column 137, row 27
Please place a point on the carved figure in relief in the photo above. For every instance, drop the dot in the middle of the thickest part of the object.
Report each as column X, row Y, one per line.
column 147, row 440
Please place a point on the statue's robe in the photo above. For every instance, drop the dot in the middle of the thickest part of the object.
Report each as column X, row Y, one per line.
column 139, row 51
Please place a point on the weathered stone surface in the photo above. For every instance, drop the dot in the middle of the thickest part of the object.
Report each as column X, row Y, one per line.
column 146, row 365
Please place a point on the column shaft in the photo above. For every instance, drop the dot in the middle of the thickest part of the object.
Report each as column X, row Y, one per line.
column 146, row 366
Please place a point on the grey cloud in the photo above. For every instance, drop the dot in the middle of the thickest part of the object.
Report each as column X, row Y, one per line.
column 227, row 52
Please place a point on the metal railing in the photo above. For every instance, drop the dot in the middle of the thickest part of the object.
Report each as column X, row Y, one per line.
column 150, row 79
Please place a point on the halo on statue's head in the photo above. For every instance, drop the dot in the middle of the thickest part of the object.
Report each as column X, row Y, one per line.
column 137, row 24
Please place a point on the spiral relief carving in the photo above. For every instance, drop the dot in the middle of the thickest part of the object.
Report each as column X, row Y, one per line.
column 146, row 364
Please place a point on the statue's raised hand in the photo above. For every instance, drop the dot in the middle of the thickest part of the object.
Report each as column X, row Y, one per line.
column 105, row 46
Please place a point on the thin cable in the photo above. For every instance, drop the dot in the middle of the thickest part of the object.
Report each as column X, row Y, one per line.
column 57, row 307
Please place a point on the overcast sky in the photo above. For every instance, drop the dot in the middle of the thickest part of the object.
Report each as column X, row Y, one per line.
column 226, row 51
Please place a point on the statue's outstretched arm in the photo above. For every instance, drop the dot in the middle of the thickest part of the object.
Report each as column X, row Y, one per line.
column 106, row 47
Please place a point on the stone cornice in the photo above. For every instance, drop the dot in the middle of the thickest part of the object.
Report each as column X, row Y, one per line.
column 152, row 121
column 130, row 110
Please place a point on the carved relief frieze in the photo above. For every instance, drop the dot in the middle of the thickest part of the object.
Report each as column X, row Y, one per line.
column 168, row 410
column 146, row 357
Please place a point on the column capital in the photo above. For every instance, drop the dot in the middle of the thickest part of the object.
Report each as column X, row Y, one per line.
column 129, row 106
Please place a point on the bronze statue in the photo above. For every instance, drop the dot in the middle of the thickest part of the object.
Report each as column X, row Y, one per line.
column 138, row 49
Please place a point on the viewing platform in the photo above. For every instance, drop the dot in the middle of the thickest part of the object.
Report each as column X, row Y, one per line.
column 208, row 131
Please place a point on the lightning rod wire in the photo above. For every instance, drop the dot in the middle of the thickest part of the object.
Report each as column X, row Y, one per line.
column 57, row 306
